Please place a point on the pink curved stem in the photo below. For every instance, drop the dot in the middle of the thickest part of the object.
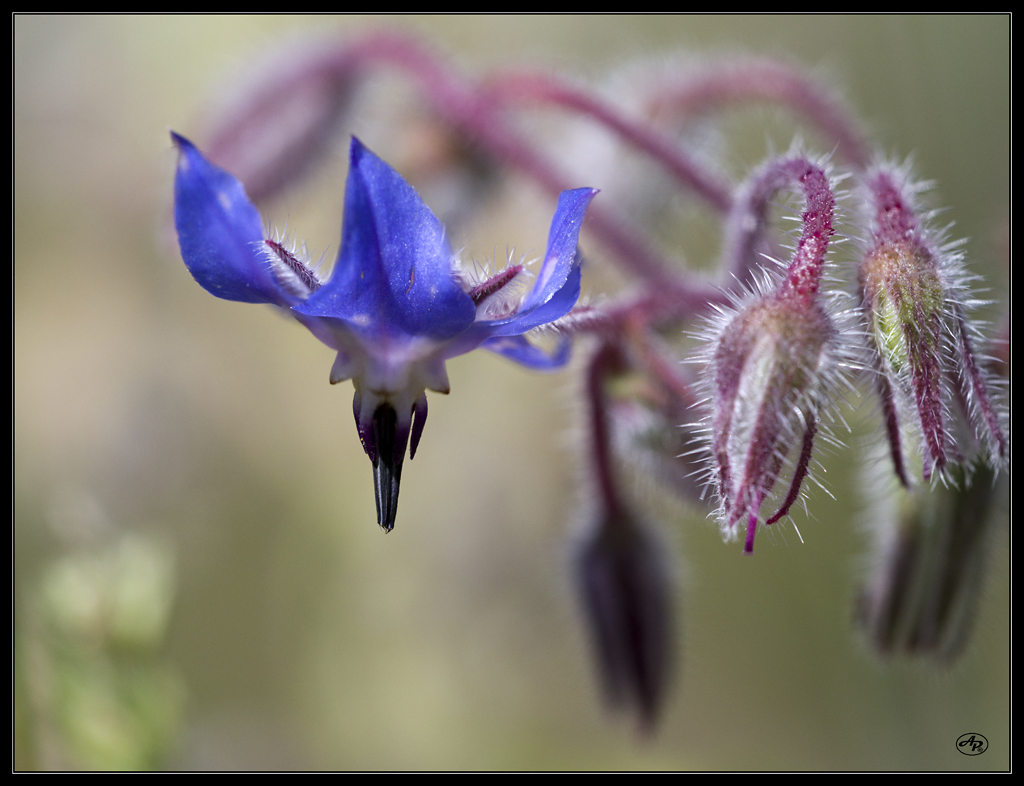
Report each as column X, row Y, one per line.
column 533, row 88
column 746, row 80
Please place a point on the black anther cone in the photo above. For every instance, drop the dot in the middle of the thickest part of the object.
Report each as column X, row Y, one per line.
column 387, row 467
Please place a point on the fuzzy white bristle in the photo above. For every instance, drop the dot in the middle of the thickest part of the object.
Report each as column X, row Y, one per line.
column 289, row 264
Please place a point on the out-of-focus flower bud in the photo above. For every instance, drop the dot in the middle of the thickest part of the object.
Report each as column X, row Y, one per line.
column 930, row 556
column 625, row 594
column 645, row 404
column 274, row 128
column 654, row 448
column 914, row 298
column 619, row 573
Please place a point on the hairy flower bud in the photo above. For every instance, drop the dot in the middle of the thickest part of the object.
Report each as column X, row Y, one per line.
column 930, row 557
column 766, row 369
column 913, row 298
column 772, row 366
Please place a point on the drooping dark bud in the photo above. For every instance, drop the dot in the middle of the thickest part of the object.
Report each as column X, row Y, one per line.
column 931, row 556
column 619, row 572
column 625, row 595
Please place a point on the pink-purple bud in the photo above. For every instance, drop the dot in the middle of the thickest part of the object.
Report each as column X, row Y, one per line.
column 772, row 366
column 913, row 299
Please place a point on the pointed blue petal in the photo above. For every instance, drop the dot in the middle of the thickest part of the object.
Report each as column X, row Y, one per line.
column 558, row 284
column 394, row 271
column 563, row 238
column 220, row 232
column 524, row 353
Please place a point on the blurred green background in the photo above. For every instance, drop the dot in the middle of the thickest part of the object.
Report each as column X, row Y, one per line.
column 200, row 438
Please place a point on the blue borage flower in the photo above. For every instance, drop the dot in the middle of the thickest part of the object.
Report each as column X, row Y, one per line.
column 394, row 307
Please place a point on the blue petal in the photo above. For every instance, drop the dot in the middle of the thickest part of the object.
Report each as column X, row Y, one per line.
column 524, row 353
column 563, row 238
column 220, row 232
column 394, row 272
column 558, row 283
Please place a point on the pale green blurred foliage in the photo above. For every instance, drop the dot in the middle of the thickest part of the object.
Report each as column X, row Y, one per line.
column 262, row 590
column 100, row 696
